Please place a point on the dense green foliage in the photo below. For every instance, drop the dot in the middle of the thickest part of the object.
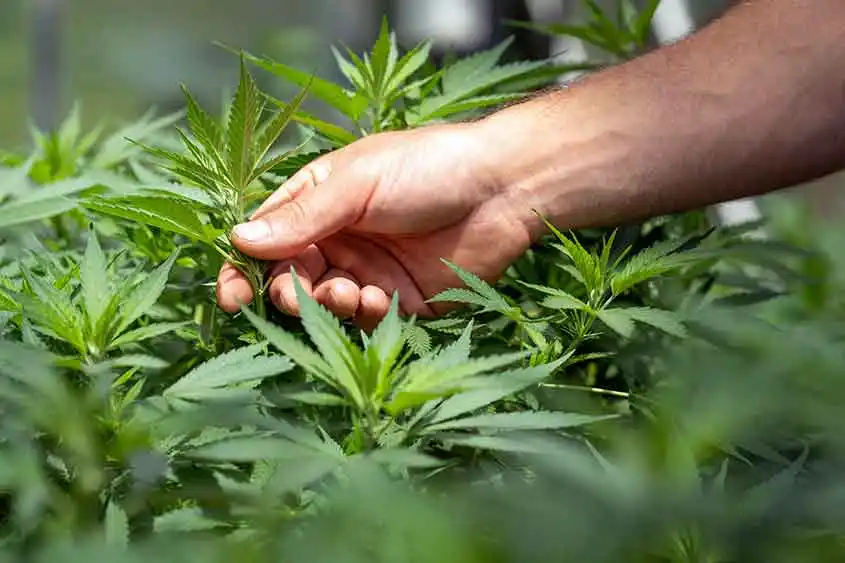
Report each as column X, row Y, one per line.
column 669, row 392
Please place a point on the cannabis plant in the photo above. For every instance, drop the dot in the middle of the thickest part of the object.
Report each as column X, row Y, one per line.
column 388, row 90
column 222, row 163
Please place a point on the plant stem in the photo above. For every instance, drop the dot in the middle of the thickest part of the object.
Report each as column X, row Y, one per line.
column 260, row 307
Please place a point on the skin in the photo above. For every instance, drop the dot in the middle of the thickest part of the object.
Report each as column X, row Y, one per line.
column 753, row 103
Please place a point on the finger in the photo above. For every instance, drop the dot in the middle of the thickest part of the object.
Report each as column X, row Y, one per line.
column 312, row 175
column 339, row 293
column 314, row 214
column 372, row 264
column 309, row 265
column 372, row 308
column 233, row 289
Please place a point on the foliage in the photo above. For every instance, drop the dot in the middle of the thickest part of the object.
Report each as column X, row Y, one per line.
column 665, row 394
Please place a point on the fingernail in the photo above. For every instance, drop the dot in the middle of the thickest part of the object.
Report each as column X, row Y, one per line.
column 255, row 231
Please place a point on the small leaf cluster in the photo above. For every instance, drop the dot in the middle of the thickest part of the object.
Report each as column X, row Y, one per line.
column 623, row 35
column 388, row 90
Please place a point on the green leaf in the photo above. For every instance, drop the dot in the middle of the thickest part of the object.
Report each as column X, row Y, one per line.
column 585, row 264
column 22, row 212
column 53, row 311
column 461, row 295
column 205, row 129
column 141, row 298
column 472, row 76
column 383, row 61
column 166, row 213
column 93, row 274
column 473, row 104
column 116, row 525
column 643, row 23
column 316, row 398
column 244, row 117
column 249, row 448
column 243, row 366
column 334, row 133
column 325, row 331
column 385, row 345
column 428, row 379
column 295, row 162
column 618, row 321
column 498, row 387
column 294, row 349
column 273, row 129
column 492, row 300
column 351, row 104
column 654, row 261
column 667, row 321
column 410, row 63
column 529, row 420
column 145, row 333
column 558, row 299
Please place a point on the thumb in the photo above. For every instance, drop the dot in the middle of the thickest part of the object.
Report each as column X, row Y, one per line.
column 313, row 213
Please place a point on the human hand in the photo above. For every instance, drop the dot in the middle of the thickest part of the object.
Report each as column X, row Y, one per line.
column 376, row 217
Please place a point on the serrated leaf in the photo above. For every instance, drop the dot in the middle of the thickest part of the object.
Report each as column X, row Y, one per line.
column 493, row 299
column 244, row 117
column 166, row 213
column 351, row 104
column 426, row 380
column 205, row 129
column 275, row 126
column 472, row 76
column 461, row 295
column 93, row 275
column 501, row 386
column 294, row 349
column 558, row 299
column 410, row 63
column 529, row 420
column 383, row 60
column 52, row 311
column 618, row 321
column 241, row 366
column 325, row 331
column 141, row 298
column 384, row 346
column 654, row 261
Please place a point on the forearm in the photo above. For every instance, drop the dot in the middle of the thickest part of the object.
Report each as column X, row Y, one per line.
column 753, row 103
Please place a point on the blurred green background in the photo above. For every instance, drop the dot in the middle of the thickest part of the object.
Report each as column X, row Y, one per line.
column 119, row 58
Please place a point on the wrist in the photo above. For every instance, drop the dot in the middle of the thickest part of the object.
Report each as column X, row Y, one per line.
column 552, row 161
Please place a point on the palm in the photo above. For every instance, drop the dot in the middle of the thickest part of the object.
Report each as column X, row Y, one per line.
column 378, row 217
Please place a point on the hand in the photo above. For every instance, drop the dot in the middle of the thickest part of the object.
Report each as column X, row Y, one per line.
column 376, row 217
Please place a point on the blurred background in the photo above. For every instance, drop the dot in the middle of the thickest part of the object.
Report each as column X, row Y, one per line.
column 118, row 59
